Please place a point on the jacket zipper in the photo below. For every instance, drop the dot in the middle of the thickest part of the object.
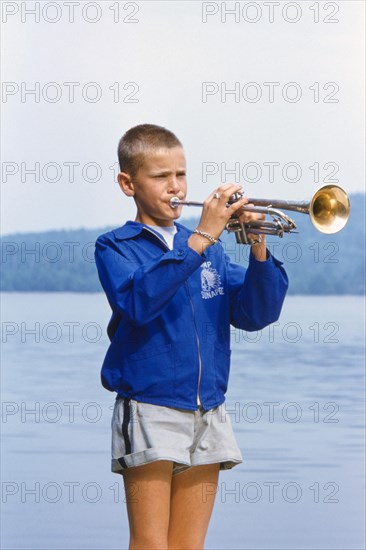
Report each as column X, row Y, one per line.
column 194, row 321
column 198, row 345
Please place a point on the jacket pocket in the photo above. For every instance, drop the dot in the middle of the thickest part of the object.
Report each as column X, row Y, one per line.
column 222, row 368
column 150, row 373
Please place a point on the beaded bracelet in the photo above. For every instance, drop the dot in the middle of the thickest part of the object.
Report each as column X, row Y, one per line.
column 206, row 235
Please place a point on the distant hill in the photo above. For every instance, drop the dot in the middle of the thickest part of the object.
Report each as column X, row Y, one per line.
column 316, row 263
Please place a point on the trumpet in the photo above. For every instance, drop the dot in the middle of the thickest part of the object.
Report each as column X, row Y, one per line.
column 328, row 210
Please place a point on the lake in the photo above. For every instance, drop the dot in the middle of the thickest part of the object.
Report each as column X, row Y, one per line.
column 296, row 401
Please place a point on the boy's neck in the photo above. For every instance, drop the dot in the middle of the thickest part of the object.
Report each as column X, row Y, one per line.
column 157, row 223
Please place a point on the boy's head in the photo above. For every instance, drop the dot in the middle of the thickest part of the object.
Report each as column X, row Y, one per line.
column 153, row 170
column 140, row 141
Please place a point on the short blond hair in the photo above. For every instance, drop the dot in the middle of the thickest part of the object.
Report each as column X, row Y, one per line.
column 138, row 141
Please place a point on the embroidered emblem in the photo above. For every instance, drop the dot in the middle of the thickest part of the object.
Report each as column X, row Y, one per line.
column 210, row 281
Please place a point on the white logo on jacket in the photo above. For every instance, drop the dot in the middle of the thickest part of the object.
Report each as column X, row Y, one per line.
column 210, row 281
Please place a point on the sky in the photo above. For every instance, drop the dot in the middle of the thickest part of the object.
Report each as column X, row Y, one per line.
column 266, row 94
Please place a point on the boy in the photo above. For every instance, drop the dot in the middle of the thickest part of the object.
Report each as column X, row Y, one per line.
column 174, row 294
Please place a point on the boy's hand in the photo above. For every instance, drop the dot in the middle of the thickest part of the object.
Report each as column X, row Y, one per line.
column 259, row 249
column 216, row 214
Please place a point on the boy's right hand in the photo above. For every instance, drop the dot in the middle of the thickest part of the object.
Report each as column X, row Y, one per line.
column 215, row 215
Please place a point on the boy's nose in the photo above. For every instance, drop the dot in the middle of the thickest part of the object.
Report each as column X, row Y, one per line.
column 174, row 186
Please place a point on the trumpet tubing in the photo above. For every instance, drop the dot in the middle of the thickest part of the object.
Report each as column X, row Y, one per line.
column 328, row 210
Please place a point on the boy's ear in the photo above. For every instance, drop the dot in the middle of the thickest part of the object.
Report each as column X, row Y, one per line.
column 125, row 183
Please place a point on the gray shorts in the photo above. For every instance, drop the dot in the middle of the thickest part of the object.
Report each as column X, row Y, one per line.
column 143, row 433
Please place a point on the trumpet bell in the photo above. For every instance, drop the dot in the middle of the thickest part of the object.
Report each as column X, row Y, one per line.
column 329, row 209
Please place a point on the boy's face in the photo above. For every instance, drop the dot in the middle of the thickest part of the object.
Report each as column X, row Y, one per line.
column 161, row 177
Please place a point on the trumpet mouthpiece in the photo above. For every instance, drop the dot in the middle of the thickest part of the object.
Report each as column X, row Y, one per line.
column 174, row 202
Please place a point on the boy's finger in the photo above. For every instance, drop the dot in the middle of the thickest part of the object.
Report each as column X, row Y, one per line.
column 225, row 191
column 237, row 205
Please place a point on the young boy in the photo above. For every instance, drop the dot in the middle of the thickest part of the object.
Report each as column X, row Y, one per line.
column 174, row 294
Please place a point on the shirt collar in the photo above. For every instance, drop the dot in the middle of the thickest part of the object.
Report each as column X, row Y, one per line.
column 132, row 229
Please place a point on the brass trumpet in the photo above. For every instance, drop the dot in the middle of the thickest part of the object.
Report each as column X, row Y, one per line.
column 328, row 209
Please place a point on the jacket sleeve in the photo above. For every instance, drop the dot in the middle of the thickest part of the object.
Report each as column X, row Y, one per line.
column 142, row 291
column 257, row 293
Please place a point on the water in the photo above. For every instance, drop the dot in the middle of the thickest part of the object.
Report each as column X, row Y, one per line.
column 296, row 402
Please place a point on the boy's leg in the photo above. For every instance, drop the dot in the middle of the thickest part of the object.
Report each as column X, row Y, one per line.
column 192, row 499
column 148, row 490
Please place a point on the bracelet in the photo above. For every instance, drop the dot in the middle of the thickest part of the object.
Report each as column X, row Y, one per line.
column 206, row 235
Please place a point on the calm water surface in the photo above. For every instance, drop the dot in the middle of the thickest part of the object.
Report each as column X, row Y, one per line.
column 296, row 402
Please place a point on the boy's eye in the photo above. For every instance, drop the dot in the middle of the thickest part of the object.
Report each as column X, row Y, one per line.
column 162, row 176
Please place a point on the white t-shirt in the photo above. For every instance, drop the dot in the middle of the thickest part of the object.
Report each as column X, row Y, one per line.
column 166, row 232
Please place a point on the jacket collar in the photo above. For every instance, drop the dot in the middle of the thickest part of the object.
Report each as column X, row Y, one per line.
column 132, row 229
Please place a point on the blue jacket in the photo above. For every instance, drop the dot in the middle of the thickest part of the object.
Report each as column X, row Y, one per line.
column 172, row 311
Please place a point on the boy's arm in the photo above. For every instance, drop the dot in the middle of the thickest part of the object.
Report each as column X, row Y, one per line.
column 142, row 291
column 257, row 293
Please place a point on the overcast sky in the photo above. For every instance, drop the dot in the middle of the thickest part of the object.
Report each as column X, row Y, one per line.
column 273, row 92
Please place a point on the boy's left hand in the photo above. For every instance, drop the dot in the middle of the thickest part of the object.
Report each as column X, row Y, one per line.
column 258, row 249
